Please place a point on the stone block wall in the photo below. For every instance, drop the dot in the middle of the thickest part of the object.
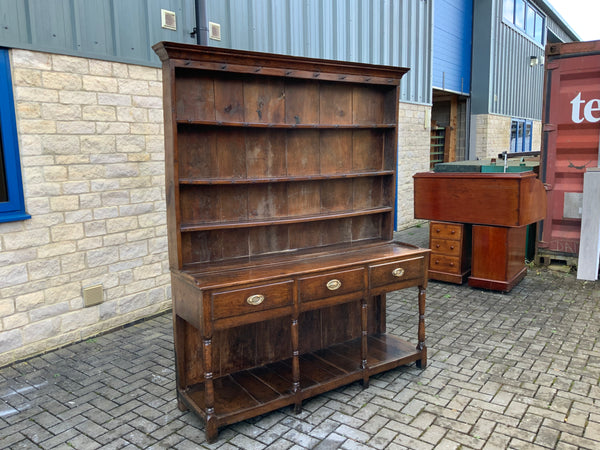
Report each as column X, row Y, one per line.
column 536, row 138
column 92, row 155
column 414, row 130
column 492, row 135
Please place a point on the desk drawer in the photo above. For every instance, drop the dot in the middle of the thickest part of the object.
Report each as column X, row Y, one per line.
column 248, row 300
column 331, row 284
column 445, row 247
column 396, row 272
column 445, row 231
column 443, row 263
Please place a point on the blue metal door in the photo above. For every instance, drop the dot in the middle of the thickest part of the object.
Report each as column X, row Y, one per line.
column 452, row 35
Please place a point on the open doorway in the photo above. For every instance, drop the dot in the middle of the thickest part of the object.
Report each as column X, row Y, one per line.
column 449, row 126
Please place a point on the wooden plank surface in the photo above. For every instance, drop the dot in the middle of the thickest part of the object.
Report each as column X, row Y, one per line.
column 502, row 199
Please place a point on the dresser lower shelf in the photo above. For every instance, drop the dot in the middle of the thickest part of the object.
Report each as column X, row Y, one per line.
column 248, row 393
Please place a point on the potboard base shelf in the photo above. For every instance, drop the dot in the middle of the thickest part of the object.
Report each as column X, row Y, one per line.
column 248, row 393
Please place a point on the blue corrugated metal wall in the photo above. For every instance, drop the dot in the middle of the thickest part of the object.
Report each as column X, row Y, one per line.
column 389, row 32
column 452, row 34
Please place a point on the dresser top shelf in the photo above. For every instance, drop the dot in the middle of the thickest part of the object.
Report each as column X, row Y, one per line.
column 256, row 63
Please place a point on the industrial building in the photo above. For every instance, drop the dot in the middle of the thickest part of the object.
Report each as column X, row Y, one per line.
column 83, row 245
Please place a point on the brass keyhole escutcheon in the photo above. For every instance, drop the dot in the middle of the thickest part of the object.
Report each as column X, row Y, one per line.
column 398, row 272
column 256, row 299
column 334, row 284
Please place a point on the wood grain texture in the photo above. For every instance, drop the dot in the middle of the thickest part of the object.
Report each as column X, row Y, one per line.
column 498, row 257
column 503, row 199
column 450, row 258
column 499, row 205
column 281, row 178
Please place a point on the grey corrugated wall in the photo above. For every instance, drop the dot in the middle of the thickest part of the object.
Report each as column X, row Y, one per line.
column 516, row 88
column 390, row 32
column 503, row 81
column 118, row 30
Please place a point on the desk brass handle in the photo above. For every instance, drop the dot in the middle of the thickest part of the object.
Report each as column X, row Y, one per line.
column 256, row 299
column 334, row 284
column 398, row 272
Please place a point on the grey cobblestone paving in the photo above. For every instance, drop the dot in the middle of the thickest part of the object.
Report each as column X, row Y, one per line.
column 518, row 370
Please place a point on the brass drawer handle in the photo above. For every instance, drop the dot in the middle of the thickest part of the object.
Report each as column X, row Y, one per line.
column 256, row 299
column 398, row 272
column 334, row 284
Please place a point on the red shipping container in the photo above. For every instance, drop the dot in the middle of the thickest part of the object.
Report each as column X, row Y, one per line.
column 571, row 132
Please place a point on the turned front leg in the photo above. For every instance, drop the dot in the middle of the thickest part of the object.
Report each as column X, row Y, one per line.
column 180, row 373
column 209, row 392
column 296, row 367
column 363, row 341
column 422, row 363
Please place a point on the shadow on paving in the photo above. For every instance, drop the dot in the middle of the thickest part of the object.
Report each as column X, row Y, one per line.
column 516, row 370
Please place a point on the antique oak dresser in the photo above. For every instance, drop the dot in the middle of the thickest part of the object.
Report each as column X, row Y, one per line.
column 280, row 183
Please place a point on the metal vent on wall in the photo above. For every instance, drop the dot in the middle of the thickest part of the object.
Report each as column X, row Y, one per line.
column 214, row 31
column 92, row 295
column 168, row 19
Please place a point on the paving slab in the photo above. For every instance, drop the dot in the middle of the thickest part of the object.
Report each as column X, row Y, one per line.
column 516, row 370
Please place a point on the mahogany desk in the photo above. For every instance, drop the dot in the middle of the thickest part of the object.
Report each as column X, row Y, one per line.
column 499, row 206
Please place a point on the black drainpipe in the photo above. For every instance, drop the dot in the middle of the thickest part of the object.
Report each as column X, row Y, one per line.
column 201, row 23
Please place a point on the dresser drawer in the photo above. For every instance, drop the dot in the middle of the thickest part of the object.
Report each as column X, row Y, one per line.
column 248, row 300
column 396, row 272
column 445, row 246
column 445, row 230
column 443, row 263
column 331, row 284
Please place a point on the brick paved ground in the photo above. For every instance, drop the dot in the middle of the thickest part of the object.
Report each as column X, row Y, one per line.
column 517, row 370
